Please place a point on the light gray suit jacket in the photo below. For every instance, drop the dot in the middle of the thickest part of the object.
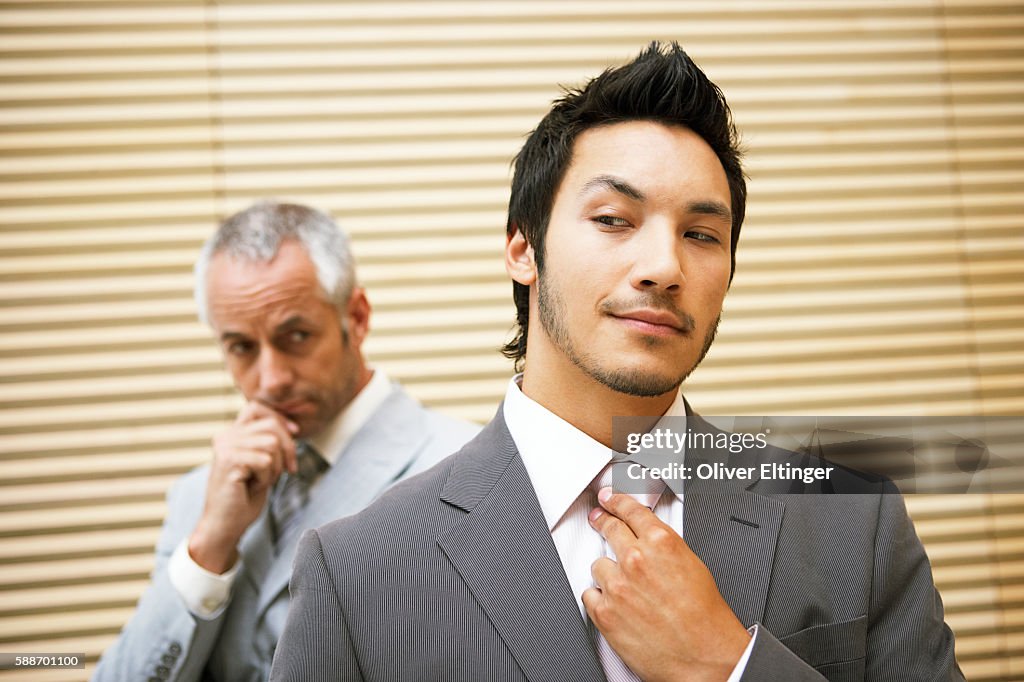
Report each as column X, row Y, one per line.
column 164, row 640
column 456, row 578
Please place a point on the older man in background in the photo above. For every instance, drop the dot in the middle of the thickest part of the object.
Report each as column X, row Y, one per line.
column 320, row 436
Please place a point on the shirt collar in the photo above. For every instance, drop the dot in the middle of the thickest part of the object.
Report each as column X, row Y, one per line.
column 560, row 459
column 339, row 431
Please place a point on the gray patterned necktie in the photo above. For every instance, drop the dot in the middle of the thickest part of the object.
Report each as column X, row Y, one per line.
column 292, row 493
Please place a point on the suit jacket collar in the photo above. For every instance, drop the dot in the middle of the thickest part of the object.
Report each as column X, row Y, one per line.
column 503, row 550
column 731, row 527
column 376, row 455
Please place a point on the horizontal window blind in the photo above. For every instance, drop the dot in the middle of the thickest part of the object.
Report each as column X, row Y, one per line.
column 879, row 270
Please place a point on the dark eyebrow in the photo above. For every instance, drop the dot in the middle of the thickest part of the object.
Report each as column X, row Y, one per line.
column 706, row 207
column 233, row 336
column 290, row 323
column 293, row 321
column 711, row 208
column 613, row 183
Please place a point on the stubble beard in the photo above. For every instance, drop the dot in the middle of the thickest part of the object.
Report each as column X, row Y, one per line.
column 629, row 381
column 331, row 400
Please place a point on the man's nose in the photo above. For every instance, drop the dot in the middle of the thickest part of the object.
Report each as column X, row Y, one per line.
column 276, row 374
column 659, row 261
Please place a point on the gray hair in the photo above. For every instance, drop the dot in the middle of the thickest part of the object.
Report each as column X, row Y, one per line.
column 255, row 235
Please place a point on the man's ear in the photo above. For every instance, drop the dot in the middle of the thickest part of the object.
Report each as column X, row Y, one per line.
column 519, row 261
column 358, row 313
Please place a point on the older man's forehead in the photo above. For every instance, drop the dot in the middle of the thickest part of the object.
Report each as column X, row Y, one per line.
column 243, row 293
column 290, row 268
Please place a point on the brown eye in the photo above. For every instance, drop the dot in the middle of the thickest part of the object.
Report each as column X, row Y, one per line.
column 702, row 237
column 612, row 221
column 240, row 348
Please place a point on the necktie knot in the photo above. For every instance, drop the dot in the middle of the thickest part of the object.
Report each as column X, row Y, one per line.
column 309, row 463
column 632, row 478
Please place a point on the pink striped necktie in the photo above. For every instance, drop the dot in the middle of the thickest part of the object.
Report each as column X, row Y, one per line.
column 647, row 492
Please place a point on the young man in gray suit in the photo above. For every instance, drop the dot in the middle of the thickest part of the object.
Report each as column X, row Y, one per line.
column 321, row 435
column 514, row 560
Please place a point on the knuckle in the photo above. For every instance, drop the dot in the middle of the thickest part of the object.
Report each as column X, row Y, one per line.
column 265, row 442
column 632, row 559
column 616, row 585
column 661, row 537
column 225, row 452
column 277, row 437
column 696, row 567
column 258, row 426
column 600, row 612
column 611, row 525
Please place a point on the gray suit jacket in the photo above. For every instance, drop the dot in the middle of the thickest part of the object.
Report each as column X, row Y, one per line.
column 456, row 578
column 164, row 640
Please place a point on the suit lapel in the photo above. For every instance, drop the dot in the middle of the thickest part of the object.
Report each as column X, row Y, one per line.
column 731, row 529
column 376, row 456
column 503, row 551
column 257, row 550
column 735, row 535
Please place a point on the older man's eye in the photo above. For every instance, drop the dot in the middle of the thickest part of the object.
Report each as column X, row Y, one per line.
column 241, row 348
column 298, row 336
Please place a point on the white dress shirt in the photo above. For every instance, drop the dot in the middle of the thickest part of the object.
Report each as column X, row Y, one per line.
column 562, row 461
column 205, row 593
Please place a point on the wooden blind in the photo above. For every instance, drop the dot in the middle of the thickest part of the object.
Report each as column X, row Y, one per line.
column 879, row 271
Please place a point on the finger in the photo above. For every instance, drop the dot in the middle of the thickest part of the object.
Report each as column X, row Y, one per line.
column 252, row 411
column 590, row 598
column 254, row 469
column 285, row 445
column 596, row 604
column 267, row 409
column 268, row 425
column 639, row 518
column 602, row 571
column 614, row 530
column 267, row 443
column 255, row 409
column 289, row 457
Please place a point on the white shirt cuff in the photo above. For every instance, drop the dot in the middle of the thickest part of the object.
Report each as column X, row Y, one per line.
column 741, row 665
column 206, row 594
